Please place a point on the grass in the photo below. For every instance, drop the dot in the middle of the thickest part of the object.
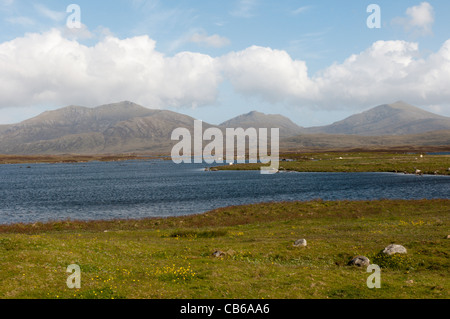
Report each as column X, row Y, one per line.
column 358, row 162
column 173, row 257
column 69, row 158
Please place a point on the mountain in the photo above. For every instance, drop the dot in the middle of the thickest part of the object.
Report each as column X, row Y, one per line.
column 261, row 120
column 119, row 127
column 398, row 118
column 127, row 127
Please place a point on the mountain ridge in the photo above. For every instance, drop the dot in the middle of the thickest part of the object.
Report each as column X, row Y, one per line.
column 128, row 127
column 260, row 120
column 398, row 118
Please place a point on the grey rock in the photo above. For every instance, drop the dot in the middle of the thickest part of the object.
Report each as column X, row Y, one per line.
column 394, row 249
column 300, row 243
column 218, row 253
column 360, row 261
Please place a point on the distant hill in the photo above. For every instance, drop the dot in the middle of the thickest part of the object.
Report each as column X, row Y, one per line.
column 261, row 120
column 127, row 127
column 119, row 127
column 398, row 118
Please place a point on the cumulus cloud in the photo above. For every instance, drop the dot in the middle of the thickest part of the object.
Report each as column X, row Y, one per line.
column 79, row 33
column 49, row 68
column 271, row 74
column 419, row 19
column 385, row 72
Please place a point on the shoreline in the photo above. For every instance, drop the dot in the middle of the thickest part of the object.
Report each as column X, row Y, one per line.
column 414, row 163
column 155, row 222
column 69, row 158
column 356, row 162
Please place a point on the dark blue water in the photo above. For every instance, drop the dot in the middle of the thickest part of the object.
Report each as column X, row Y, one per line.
column 138, row 189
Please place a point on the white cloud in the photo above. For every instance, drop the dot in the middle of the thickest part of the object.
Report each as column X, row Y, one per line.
column 386, row 72
column 49, row 68
column 80, row 33
column 419, row 19
column 215, row 40
column 268, row 73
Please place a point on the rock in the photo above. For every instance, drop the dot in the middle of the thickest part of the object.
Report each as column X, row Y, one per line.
column 360, row 261
column 300, row 243
column 218, row 253
column 394, row 249
column 418, row 172
column 448, row 237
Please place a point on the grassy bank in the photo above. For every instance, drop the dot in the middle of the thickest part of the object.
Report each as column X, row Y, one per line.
column 69, row 158
column 172, row 258
column 358, row 162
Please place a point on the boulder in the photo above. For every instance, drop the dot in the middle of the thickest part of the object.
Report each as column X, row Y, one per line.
column 300, row 243
column 218, row 253
column 360, row 261
column 394, row 249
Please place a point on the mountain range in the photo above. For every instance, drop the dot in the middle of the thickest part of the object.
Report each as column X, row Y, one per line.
column 127, row 127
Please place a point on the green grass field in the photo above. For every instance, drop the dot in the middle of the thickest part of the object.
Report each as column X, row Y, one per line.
column 172, row 258
column 358, row 162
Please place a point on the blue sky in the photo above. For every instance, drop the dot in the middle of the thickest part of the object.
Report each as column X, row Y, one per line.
column 313, row 61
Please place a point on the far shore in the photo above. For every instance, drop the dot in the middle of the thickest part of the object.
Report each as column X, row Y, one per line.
column 72, row 158
column 413, row 161
column 418, row 163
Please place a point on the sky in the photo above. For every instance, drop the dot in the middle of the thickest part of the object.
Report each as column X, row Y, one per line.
column 315, row 61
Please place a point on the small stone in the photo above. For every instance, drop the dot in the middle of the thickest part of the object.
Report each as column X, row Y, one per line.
column 360, row 261
column 448, row 237
column 394, row 249
column 218, row 253
column 410, row 281
column 300, row 243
